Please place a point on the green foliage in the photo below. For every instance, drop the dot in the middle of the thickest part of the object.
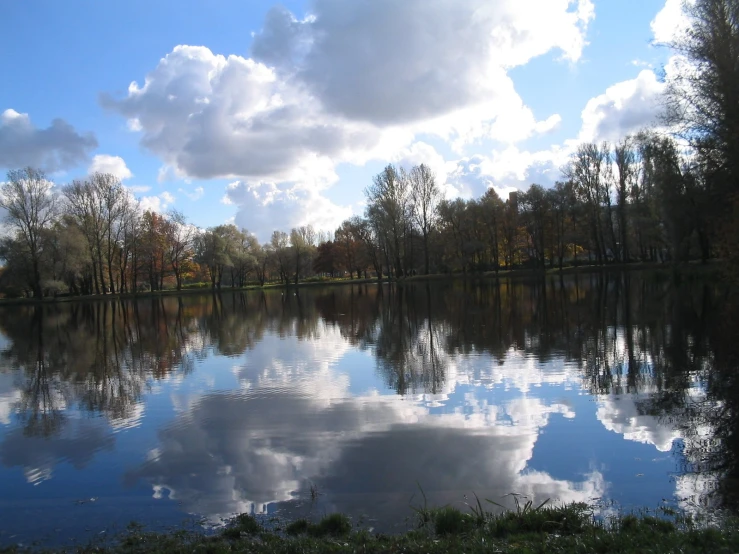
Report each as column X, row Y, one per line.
column 243, row 524
column 450, row 521
column 297, row 527
column 545, row 529
column 334, row 525
column 567, row 520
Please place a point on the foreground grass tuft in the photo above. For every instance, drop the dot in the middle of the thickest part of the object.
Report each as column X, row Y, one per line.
column 571, row 529
column 333, row 525
column 244, row 524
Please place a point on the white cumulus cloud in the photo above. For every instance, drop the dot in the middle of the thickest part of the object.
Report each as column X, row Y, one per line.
column 349, row 83
column 670, row 22
column 159, row 203
column 623, row 108
column 266, row 206
column 115, row 165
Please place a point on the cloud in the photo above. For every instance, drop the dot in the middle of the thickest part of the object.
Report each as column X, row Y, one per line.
column 348, row 83
column 196, row 194
column 10, row 395
column 55, row 148
column 670, row 22
column 103, row 163
column 390, row 62
column 77, row 444
column 620, row 414
column 505, row 171
column 136, row 189
column 209, row 116
column 265, row 207
column 134, row 125
column 305, row 426
column 624, row 108
column 159, row 203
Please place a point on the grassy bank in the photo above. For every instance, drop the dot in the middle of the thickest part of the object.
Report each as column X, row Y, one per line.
column 529, row 529
column 714, row 269
column 186, row 290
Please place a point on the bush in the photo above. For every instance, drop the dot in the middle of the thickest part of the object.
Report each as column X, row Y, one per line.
column 450, row 521
column 333, row 524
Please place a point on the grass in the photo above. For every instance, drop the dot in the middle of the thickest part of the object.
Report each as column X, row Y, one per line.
column 527, row 529
column 714, row 268
column 191, row 288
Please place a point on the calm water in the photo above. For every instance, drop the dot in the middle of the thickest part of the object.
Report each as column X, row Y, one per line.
column 615, row 389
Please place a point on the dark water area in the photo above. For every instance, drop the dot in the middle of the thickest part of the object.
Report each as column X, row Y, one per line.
column 614, row 389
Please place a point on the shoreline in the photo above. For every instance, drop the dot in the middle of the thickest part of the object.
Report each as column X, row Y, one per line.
column 712, row 269
column 573, row 528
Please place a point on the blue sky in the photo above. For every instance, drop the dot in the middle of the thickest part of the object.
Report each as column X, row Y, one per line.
column 276, row 115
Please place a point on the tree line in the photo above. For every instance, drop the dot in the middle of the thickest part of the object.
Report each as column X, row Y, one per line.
column 641, row 199
column 653, row 196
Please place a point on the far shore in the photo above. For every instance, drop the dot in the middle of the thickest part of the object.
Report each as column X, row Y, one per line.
column 713, row 268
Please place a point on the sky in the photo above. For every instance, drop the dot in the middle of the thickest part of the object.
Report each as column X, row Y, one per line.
column 272, row 116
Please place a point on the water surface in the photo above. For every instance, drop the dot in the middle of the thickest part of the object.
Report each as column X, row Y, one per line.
column 610, row 389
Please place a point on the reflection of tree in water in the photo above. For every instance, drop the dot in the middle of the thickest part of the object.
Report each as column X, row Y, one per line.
column 407, row 342
column 97, row 356
column 672, row 349
column 708, row 419
column 41, row 403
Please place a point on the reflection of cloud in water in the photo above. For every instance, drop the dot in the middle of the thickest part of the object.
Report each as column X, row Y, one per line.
column 240, row 452
column 518, row 372
column 620, row 414
column 132, row 419
column 76, row 444
column 10, row 395
column 307, row 364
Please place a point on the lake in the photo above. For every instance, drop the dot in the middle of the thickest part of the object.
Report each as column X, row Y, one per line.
column 613, row 389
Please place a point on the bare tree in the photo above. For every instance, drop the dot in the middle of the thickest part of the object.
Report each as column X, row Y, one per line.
column 703, row 94
column 388, row 203
column 586, row 171
column 302, row 240
column 100, row 206
column 31, row 209
column 425, row 198
column 625, row 159
column 279, row 245
column 180, row 235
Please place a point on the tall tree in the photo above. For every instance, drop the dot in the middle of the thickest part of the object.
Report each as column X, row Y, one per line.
column 535, row 209
column 425, row 198
column 100, row 206
column 179, row 239
column 492, row 208
column 388, row 204
column 31, row 209
column 625, row 160
column 302, row 241
column 586, row 170
column 703, row 98
column 703, row 104
column 280, row 250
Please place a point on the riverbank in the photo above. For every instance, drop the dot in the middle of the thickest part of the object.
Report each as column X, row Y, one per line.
column 186, row 290
column 529, row 529
column 713, row 269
